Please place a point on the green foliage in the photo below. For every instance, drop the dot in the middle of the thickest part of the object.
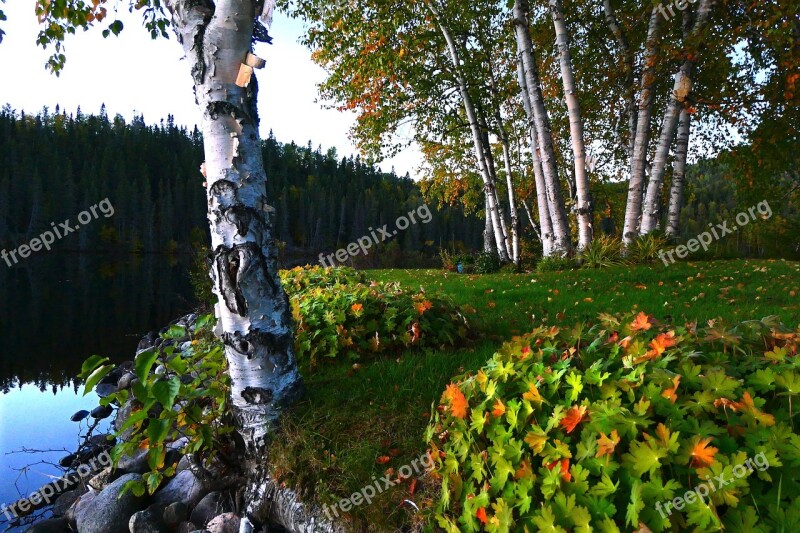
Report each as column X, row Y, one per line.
column 337, row 313
column 604, row 251
column 646, row 247
column 187, row 400
column 603, row 425
column 487, row 263
column 555, row 264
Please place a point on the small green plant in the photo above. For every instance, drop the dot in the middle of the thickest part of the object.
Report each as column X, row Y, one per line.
column 604, row 251
column 646, row 247
column 607, row 426
column 448, row 262
column 187, row 399
column 487, row 263
column 555, row 264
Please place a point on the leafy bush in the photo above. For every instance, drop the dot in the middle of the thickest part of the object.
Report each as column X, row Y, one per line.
column 448, row 262
column 604, row 251
column 646, row 247
column 602, row 427
column 187, row 399
column 555, row 264
column 336, row 313
column 487, row 263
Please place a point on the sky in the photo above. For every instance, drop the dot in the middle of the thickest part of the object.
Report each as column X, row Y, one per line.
column 133, row 73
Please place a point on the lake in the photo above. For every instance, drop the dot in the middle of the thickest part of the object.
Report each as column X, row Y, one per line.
column 55, row 311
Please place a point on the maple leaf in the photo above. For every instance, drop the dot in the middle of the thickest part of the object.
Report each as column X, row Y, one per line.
column 662, row 342
column 423, row 306
column 606, row 445
column 702, row 454
column 670, row 393
column 727, row 404
column 356, row 307
column 749, row 407
column 536, row 440
column 480, row 514
column 383, row 459
column 458, row 403
column 574, row 416
column 498, row 409
column 532, row 395
column 641, row 322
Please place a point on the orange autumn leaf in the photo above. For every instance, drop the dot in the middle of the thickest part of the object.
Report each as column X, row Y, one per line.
column 413, row 487
column 356, row 307
column 703, row 454
column 749, row 406
column 423, row 306
column 458, row 403
column 606, row 445
column 669, row 394
column 524, row 471
column 532, row 395
column 662, row 342
column 574, row 416
column 727, row 404
column 564, row 463
column 498, row 409
column 641, row 322
column 383, row 459
column 480, row 514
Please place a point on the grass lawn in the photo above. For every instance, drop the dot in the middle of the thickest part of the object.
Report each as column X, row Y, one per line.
column 330, row 444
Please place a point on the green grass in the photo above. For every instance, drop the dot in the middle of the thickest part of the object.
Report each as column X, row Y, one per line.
column 330, row 441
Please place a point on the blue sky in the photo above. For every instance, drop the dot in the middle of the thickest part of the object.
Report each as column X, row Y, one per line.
column 132, row 73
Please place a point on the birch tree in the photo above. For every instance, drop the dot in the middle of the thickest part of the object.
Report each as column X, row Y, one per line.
column 678, row 174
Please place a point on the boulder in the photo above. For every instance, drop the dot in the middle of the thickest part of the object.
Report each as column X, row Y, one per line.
column 186, row 527
column 125, row 381
column 213, row 504
column 108, row 511
column 65, row 501
column 100, row 480
column 102, row 411
column 105, row 389
column 185, row 487
column 224, row 523
column 80, row 415
column 175, row 513
column 53, row 525
column 149, row 520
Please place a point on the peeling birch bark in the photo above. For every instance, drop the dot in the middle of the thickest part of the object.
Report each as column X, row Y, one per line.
column 583, row 206
column 254, row 317
column 678, row 174
column 633, row 209
column 562, row 244
column 683, row 80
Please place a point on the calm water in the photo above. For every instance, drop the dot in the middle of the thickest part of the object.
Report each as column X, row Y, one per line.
column 56, row 310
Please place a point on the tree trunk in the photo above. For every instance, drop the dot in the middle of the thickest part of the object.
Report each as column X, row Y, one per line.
column 488, row 231
column 558, row 216
column 512, row 210
column 546, row 234
column 254, row 317
column 680, row 90
column 678, row 174
column 633, row 209
column 627, row 61
column 583, row 206
column 477, row 140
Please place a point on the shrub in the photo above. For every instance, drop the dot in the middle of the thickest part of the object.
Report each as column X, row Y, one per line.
column 555, row 264
column 604, row 251
column 487, row 263
column 601, row 427
column 646, row 247
column 336, row 314
column 448, row 263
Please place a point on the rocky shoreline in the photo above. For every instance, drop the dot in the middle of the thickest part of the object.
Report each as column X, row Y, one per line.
column 197, row 499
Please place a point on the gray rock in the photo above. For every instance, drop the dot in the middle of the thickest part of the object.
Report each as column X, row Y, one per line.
column 184, row 464
column 65, row 501
column 109, row 511
column 100, row 480
column 103, row 440
column 186, row 527
column 53, row 525
column 134, row 464
column 80, row 415
column 123, row 413
column 224, row 523
column 213, row 504
column 105, row 389
column 80, row 505
column 161, row 370
column 185, row 487
column 125, row 381
column 175, row 513
column 149, row 520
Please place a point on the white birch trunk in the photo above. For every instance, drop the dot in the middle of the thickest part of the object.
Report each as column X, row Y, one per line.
column 512, row 210
column 683, row 81
column 546, row 232
column 562, row 244
column 627, row 61
column 583, row 206
column 678, row 174
column 633, row 209
column 254, row 317
column 469, row 109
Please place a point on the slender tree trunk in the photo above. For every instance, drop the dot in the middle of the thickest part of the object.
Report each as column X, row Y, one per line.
column 488, row 231
column 254, row 317
column 546, row 235
column 678, row 174
column 512, row 210
column 583, row 206
column 680, row 90
column 534, row 227
column 633, row 209
column 627, row 62
column 492, row 169
column 469, row 109
column 558, row 216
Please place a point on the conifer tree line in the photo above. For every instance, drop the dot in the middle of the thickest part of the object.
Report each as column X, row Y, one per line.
column 54, row 165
